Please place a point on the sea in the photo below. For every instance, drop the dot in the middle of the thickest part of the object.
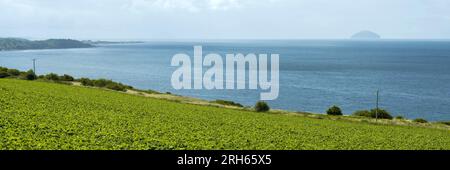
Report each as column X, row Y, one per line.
column 412, row 76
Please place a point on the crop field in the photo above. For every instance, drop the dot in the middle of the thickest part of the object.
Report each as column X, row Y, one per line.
column 40, row 115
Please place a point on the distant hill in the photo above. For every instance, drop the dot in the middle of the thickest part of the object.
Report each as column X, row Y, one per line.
column 366, row 35
column 110, row 42
column 24, row 44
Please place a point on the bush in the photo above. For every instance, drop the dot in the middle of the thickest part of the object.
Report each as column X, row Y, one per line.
column 86, row 82
column 13, row 72
column 334, row 110
column 3, row 74
column 66, row 77
column 399, row 117
column 229, row 103
column 115, row 86
column 364, row 113
column 29, row 75
column 261, row 106
column 101, row 82
column 382, row 114
column 420, row 120
column 445, row 123
column 52, row 76
column 3, row 69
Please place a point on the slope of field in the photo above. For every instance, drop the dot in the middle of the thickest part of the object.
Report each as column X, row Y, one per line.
column 39, row 115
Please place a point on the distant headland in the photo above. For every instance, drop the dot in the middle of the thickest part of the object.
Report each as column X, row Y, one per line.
column 7, row 44
column 366, row 35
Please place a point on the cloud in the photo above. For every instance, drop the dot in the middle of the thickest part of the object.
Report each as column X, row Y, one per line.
column 188, row 5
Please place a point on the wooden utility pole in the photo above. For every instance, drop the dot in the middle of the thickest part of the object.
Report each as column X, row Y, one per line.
column 376, row 111
column 34, row 65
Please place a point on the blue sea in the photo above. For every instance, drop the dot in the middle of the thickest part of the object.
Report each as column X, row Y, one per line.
column 413, row 76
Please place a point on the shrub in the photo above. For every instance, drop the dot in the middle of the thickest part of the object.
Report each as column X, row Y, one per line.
column 399, row 117
column 152, row 91
column 445, row 123
column 13, row 72
column 86, row 82
column 115, row 86
column 420, row 120
column 3, row 74
column 364, row 113
column 382, row 114
column 66, row 77
column 261, row 106
column 101, row 82
column 3, row 69
column 52, row 76
column 29, row 75
column 229, row 103
column 334, row 110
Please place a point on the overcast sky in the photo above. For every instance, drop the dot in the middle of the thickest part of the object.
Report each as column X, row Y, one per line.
column 223, row 19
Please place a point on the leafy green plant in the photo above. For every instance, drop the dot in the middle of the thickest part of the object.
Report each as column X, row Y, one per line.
column 37, row 115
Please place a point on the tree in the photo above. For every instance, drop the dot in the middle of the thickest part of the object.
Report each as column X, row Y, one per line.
column 334, row 110
column 261, row 106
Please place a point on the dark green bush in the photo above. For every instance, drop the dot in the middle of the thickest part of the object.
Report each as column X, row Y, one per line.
column 382, row 114
column 229, row 103
column 13, row 72
column 445, row 123
column 364, row 113
column 52, row 76
column 399, row 117
column 3, row 69
column 261, row 106
column 101, row 82
column 66, row 77
column 29, row 75
column 420, row 120
column 104, row 83
column 334, row 110
column 3, row 74
column 86, row 82
column 115, row 86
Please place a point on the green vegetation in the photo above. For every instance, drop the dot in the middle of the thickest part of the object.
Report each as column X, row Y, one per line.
column 23, row 44
column 399, row 117
column 334, row 110
column 43, row 115
column 445, row 123
column 227, row 103
column 420, row 120
column 261, row 106
column 374, row 113
column 109, row 84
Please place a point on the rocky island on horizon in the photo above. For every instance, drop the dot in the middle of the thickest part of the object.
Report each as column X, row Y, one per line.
column 366, row 35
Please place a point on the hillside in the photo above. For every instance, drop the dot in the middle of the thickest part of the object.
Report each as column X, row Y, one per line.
column 41, row 115
column 23, row 44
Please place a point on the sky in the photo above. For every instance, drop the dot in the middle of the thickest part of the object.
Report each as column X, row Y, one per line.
column 223, row 19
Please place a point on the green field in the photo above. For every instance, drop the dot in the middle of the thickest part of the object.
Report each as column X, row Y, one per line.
column 40, row 115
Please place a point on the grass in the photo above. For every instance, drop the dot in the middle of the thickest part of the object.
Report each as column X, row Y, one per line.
column 43, row 115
